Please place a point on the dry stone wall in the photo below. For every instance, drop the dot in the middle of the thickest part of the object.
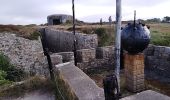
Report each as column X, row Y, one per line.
column 157, row 59
column 101, row 58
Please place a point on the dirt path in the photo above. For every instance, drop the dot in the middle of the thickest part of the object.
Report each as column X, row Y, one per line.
column 35, row 95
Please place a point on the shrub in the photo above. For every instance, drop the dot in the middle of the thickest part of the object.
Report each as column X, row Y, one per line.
column 100, row 32
column 104, row 38
column 4, row 62
column 14, row 74
column 2, row 75
column 34, row 35
column 9, row 71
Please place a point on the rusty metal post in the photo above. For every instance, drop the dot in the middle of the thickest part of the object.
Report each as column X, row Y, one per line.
column 75, row 41
column 118, row 41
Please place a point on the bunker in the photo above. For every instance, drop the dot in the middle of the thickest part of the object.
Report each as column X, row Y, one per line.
column 57, row 19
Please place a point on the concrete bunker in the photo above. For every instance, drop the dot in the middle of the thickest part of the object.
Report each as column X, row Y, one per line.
column 57, row 19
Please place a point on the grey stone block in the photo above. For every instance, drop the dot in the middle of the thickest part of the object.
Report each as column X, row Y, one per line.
column 67, row 56
column 75, row 84
column 56, row 59
column 147, row 95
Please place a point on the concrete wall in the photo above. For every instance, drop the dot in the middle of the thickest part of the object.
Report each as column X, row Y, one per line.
column 61, row 41
column 63, row 18
column 74, row 84
column 157, row 59
column 71, row 82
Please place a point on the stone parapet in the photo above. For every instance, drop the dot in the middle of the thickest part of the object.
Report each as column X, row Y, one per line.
column 86, row 55
column 74, row 84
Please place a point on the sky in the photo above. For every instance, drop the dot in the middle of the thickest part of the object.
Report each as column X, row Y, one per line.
column 25, row 12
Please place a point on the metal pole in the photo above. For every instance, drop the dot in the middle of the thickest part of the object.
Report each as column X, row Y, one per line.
column 75, row 41
column 134, row 19
column 118, row 41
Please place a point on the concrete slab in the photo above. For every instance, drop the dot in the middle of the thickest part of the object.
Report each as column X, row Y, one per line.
column 75, row 81
column 147, row 95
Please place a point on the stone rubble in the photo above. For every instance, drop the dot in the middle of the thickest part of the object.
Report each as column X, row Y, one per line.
column 23, row 53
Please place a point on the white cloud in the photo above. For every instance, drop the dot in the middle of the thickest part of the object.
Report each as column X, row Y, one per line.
column 36, row 11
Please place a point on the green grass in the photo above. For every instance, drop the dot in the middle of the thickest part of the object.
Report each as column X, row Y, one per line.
column 9, row 72
column 34, row 35
column 105, row 37
column 160, row 34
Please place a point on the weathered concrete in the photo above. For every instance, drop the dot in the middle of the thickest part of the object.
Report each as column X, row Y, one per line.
column 74, row 84
column 58, row 19
column 66, row 56
column 147, row 95
column 61, row 41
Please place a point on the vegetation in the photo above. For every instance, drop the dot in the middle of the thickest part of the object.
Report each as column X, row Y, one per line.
column 160, row 31
column 104, row 38
column 160, row 34
column 27, row 31
column 34, row 35
column 20, row 88
column 166, row 19
column 8, row 72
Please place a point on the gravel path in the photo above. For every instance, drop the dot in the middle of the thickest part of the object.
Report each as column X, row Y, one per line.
column 36, row 95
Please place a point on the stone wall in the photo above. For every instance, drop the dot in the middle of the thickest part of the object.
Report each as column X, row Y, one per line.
column 61, row 41
column 157, row 59
column 24, row 54
column 101, row 58
column 28, row 55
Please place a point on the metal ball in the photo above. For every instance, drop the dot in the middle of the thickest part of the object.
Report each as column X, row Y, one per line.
column 135, row 38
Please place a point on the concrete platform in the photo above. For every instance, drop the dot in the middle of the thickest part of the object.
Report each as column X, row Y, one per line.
column 147, row 95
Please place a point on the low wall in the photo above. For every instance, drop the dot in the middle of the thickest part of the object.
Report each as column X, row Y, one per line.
column 101, row 58
column 157, row 59
column 73, row 84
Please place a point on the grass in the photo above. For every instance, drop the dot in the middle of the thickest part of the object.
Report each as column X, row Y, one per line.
column 160, row 34
column 9, row 72
column 26, row 31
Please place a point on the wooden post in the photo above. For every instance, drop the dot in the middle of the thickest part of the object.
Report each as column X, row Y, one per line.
column 75, row 41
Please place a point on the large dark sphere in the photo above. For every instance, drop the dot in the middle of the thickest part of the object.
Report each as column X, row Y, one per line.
column 135, row 38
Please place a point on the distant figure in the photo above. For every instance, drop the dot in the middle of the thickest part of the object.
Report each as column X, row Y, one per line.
column 110, row 20
column 101, row 22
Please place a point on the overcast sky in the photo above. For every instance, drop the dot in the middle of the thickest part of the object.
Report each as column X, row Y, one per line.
column 36, row 11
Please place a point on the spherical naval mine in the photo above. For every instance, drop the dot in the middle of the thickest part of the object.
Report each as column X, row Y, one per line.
column 135, row 38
